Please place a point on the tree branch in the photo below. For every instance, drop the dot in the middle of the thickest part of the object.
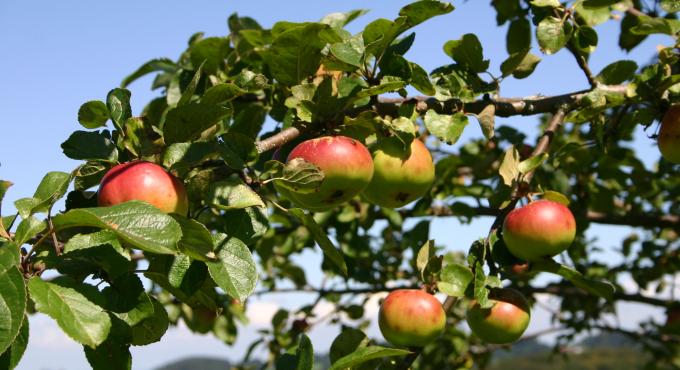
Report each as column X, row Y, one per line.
column 583, row 64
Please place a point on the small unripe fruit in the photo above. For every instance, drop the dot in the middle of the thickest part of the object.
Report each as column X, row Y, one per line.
column 145, row 181
column 411, row 318
column 540, row 229
column 669, row 135
column 400, row 176
column 503, row 323
column 347, row 166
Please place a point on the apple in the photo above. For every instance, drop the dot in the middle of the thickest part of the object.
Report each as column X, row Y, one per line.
column 411, row 318
column 347, row 166
column 145, row 181
column 669, row 135
column 503, row 323
column 540, row 229
column 400, row 176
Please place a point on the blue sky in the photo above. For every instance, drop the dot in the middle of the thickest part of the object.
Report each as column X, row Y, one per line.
column 59, row 54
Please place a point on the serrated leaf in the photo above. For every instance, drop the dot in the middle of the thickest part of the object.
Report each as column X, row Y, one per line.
column 387, row 84
column 210, row 52
column 138, row 223
column 12, row 295
column 532, row 163
column 420, row 11
column 467, row 52
column 421, row 80
column 347, row 343
column 297, row 175
column 366, row 354
column 10, row 359
column 454, row 280
column 189, row 90
column 187, row 122
column 4, row 186
column 319, row 235
column 509, row 169
column 340, row 20
column 160, row 64
column 221, row 93
column 234, row 270
column 118, row 104
column 447, row 128
column 231, row 194
column 100, row 248
column 303, row 359
column 197, row 241
column 617, row 72
column 93, row 114
column 551, row 35
column 88, row 145
column 151, row 329
column 80, row 318
column 599, row 288
column 110, row 355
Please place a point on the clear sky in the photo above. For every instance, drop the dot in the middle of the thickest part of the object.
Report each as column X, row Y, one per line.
column 55, row 55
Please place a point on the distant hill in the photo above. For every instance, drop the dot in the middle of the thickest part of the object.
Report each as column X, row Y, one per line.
column 601, row 352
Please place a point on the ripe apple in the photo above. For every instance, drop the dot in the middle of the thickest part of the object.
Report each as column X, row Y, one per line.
column 503, row 323
column 347, row 166
column 411, row 318
column 400, row 176
column 145, row 181
column 669, row 135
column 540, row 229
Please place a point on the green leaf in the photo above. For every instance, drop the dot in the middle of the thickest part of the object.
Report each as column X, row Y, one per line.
column 189, row 90
column 295, row 53
column 28, row 228
column 138, row 223
column 552, row 34
column 141, row 138
column 80, row 318
column 10, row 359
column 347, row 53
column 447, row 128
column 4, row 186
column 366, row 354
column 187, row 122
column 248, row 224
column 100, row 248
column 487, row 120
column 627, row 39
column 234, row 270
column 221, row 93
column 231, row 194
column 532, row 163
column 599, row 288
column 387, row 84
column 93, row 114
column 109, row 355
column 555, row 197
column 546, row 3
column 196, row 242
column 340, row 20
column 509, row 169
column 89, row 145
column 211, row 52
column 420, row 11
column 454, row 280
column 467, row 52
column 161, row 64
column 347, row 343
column 12, row 295
column 518, row 38
column 151, row 329
column 599, row 3
column 297, row 175
column 671, row 6
column 52, row 187
column 319, row 235
column 585, row 39
column 118, row 104
column 617, row 72
column 421, row 80
column 526, row 67
column 189, row 154
column 648, row 25
column 425, row 253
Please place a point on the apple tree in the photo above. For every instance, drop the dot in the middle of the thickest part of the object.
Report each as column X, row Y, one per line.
column 264, row 143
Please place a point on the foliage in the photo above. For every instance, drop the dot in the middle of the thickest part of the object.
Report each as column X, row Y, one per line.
column 83, row 266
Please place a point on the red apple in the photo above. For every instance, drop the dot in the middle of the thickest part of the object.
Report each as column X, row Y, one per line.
column 503, row 323
column 145, row 181
column 347, row 166
column 400, row 176
column 669, row 135
column 411, row 318
column 540, row 229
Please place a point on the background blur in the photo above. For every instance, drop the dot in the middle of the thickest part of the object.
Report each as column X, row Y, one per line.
column 54, row 56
